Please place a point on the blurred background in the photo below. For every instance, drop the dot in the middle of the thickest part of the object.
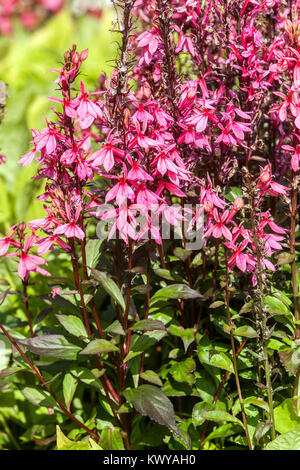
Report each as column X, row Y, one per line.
column 29, row 47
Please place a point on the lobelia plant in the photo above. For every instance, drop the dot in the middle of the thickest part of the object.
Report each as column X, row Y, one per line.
column 168, row 311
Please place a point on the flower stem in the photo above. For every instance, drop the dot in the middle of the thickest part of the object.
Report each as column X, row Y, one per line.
column 236, row 373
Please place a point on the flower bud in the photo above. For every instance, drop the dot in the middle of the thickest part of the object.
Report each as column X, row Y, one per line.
column 238, row 204
column 21, row 230
column 208, row 206
column 84, row 54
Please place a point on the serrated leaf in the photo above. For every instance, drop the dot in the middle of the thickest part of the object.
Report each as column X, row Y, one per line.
column 181, row 253
column 151, row 376
column 39, row 397
column 98, row 346
column 94, row 445
column 187, row 335
column 202, row 412
column 87, row 376
column 109, row 286
column 215, row 359
column 140, row 343
column 223, row 431
column 291, row 360
column 183, row 371
column 115, row 328
column 151, row 401
column 285, row 416
column 287, row 441
column 51, row 346
column 148, row 325
column 73, row 325
column 246, row 331
column 176, row 291
column 63, row 443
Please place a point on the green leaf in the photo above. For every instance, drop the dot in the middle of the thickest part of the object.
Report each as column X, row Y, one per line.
column 151, row 401
column 5, row 352
column 246, row 331
column 233, row 193
column 183, row 371
column 111, row 439
column 115, row 328
column 187, row 335
column 87, row 376
column 204, row 411
column 274, row 305
column 223, row 431
column 94, row 445
column 51, row 346
column 198, row 260
column 63, row 443
column 257, row 402
column 151, row 376
column 291, row 360
column 164, row 273
column 110, row 286
column 69, row 388
column 98, row 346
column 39, row 397
column 285, row 416
column 140, row 343
column 92, row 251
column 181, row 253
column 148, row 325
column 176, row 291
column 216, row 304
column 287, row 441
column 73, row 325
column 216, row 359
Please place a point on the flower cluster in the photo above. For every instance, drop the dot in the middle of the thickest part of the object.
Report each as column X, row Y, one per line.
column 208, row 94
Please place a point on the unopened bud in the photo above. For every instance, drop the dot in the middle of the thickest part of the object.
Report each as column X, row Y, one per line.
column 67, row 56
column 126, row 117
column 208, row 207
column 75, row 58
column 238, row 204
column 21, row 230
column 84, row 54
column 146, row 91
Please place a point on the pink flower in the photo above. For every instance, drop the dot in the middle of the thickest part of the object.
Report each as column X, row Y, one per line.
column 87, row 110
column 120, row 192
column 149, row 41
column 71, row 230
column 105, row 156
column 219, row 229
column 29, row 263
column 244, row 261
